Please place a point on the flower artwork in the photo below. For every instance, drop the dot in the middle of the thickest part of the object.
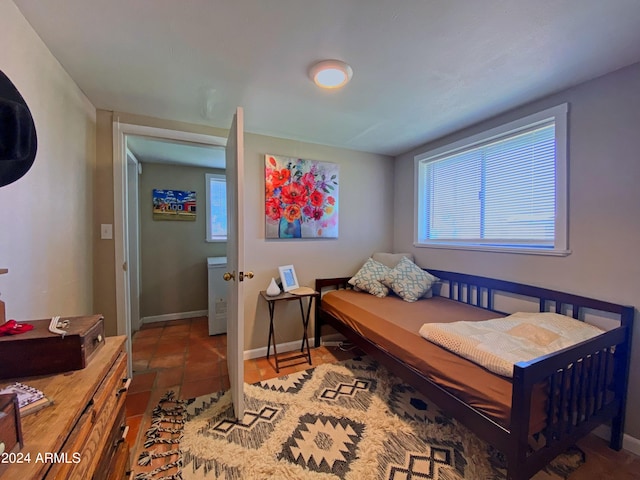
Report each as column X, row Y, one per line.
column 301, row 198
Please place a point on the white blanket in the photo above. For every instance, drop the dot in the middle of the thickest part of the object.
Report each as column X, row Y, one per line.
column 500, row 343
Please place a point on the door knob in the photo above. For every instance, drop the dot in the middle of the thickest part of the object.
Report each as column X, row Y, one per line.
column 242, row 276
column 229, row 276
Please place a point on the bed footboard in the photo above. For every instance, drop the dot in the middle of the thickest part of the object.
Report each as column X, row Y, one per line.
column 581, row 394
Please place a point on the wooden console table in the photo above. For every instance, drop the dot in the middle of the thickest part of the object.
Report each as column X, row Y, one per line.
column 82, row 435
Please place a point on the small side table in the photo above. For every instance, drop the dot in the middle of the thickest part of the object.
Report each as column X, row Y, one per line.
column 285, row 296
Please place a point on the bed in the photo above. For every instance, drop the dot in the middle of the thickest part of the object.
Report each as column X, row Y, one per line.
column 558, row 397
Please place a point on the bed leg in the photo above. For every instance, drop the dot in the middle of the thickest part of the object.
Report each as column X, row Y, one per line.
column 317, row 330
column 617, row 432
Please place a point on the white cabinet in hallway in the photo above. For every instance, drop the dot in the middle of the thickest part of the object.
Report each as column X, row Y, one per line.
column 217, row 295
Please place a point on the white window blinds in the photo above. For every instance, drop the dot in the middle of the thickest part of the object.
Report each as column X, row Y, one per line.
column 501, row 191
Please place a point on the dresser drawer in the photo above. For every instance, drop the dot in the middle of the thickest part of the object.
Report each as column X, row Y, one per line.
column 114, row 461
column 89, row 440
column 10, row 432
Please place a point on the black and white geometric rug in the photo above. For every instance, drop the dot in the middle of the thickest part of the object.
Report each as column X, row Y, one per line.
column 351, row 420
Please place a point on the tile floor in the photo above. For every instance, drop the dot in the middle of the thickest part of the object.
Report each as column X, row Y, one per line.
column 180, row 355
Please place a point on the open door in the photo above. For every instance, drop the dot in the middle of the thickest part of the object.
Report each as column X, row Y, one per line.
column 235, row 274
column 121, row 237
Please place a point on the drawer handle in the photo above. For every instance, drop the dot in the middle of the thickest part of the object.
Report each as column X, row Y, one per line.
column 125, row 431
column 125, row 387
column 97, row 339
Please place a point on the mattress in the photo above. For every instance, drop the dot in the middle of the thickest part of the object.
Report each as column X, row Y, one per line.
column 393, row 325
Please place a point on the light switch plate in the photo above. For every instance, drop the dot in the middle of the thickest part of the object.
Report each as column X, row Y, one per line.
column 106, row 231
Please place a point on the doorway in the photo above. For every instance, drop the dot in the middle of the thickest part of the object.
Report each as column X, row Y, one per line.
column 126, row 233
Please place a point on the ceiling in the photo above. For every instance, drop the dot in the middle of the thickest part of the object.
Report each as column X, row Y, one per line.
column 422, row 68
column 173, row 152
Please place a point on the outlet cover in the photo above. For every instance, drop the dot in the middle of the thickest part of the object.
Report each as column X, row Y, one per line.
column 106, row 231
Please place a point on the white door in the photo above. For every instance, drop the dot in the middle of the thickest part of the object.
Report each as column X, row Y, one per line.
column 235, row 261
column 133, row 246
column 121, row 237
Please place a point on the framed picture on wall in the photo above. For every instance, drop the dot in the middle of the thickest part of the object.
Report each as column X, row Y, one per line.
column 174, row 205
column 288, row 278
column 301, row 198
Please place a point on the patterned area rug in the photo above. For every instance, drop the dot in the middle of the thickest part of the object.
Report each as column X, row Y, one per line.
column 351, row 420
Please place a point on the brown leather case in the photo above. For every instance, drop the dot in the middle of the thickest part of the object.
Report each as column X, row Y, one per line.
column 40, row 352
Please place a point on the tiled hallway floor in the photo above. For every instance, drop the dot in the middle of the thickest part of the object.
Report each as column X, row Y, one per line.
column 180, row 355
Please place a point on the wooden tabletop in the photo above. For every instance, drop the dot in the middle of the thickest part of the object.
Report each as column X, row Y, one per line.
column 286, row 296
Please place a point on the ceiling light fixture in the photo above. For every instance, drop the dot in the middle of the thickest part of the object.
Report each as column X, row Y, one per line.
column 330, row 73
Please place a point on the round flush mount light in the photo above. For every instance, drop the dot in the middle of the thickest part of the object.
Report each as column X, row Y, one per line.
column 330, row 74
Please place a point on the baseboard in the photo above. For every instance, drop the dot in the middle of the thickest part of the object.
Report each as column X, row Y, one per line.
column 629, row 443
column 174, row 316
column 326, row 341
column 281, row 347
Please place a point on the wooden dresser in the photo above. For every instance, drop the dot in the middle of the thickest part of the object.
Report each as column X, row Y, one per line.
column 82, row 435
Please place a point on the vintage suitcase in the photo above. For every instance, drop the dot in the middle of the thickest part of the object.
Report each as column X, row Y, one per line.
column 40, row 352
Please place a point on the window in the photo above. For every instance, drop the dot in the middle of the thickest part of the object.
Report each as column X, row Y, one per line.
column 216, row 207
column 504, row 189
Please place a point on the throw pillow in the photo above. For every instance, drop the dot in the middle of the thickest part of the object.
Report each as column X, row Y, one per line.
column 369, row 278
column 409, row 281
column 390, row 259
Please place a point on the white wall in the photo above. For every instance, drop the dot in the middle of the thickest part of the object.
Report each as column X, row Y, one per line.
column 45, row 217
column 604, row 207
column 365, row 202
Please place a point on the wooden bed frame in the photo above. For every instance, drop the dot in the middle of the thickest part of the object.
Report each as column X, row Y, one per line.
column 586, row 370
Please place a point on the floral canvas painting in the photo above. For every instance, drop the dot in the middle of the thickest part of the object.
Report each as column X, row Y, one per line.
column 301, row 198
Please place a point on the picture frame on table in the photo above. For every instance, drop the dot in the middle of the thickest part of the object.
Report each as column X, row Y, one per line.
column 288, row 278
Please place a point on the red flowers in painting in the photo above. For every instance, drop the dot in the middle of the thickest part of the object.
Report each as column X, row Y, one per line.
column 292, row 212
column 316, row 198
column 280, row 177
column 300, row 190
column 273, row 209
column 294, row 193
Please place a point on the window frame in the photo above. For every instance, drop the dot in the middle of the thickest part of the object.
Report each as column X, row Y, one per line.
column 559, row 115
column 208, row 178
